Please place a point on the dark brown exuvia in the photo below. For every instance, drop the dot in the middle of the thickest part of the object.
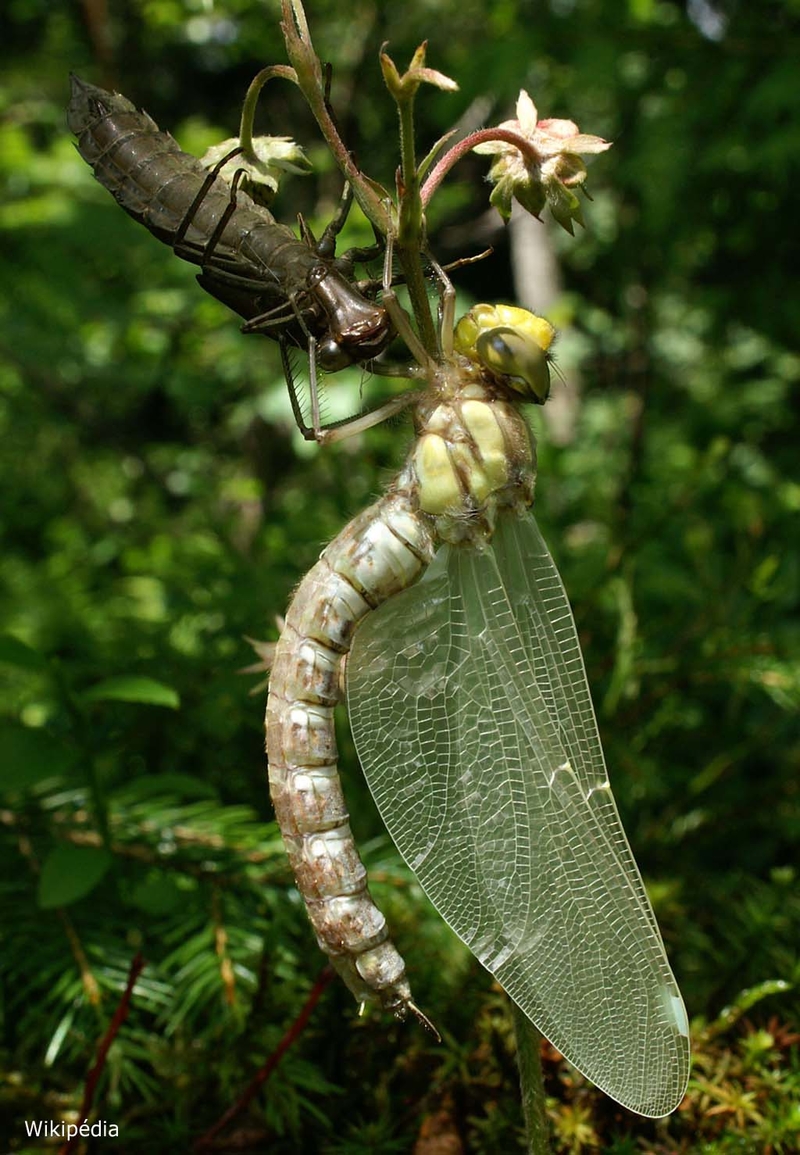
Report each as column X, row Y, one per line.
column 282, row 286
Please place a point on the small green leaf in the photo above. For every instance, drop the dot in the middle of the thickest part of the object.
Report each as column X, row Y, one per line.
column 437, row 79
column 70, row 873
column 19, row 653
column 391, row 75
column 133, row 688
column 29, row 756
column 159, row 894
column 404, row 87
column 57, row 1041
column 424, row 165
column 500, row 198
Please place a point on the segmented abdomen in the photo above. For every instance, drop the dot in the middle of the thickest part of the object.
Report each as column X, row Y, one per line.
column 379, row 553
column 250, row 262
column 156, row 183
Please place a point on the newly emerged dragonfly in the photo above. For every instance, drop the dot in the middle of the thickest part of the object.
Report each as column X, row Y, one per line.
column 473, row 722
column 283, row 287
column 465, row 684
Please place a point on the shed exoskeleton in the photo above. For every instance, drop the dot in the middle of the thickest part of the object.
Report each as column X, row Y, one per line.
column 282, row 286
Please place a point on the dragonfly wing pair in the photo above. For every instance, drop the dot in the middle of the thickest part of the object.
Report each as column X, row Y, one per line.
column 473, row 721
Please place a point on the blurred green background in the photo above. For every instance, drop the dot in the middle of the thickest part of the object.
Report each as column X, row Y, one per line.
column 157, row 506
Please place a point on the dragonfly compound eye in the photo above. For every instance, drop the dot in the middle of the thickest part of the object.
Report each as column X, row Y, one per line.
column 518, row 357
column 510, row 342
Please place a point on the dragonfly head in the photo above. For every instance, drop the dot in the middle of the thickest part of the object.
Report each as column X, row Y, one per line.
column 512, row 344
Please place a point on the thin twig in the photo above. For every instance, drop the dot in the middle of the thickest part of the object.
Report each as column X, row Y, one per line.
column 251, row 100
column 261, row 1076
column 93, row 1078
column 89, row 982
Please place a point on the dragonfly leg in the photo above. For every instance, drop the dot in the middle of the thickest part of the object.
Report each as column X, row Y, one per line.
column 213, row 240
column 199, row 198
column 447, row 307
column 306, row 232
column 338, row 430
column 397, row 314
column 361, row 256
column 273, row 319
column 313, row 385
column 370, row 286
column 335, row 430
column 327, row 242
column 316, row 431
column 326, row 247
column 461, row 262
column 309, row 433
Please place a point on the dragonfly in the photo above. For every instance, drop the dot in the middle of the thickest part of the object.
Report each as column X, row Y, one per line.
column 465, row 685
column 473, row 722
column 286, row 288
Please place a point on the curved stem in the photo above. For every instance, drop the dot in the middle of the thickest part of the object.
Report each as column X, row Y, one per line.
column 251, row 100
column 466, row 145
column 93, row 1078
column 294, row 1031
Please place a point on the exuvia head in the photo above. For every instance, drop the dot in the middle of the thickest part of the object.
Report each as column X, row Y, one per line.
column 356, row 329
column 512, row 344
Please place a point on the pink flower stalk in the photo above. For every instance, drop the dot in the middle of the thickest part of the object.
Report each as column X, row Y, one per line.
column 548, row 170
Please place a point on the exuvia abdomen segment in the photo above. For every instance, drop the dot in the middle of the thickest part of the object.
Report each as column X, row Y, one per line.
column 252, row 263
column 155, row 181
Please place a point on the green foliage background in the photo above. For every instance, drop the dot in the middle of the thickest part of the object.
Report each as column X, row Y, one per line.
column 156, row 507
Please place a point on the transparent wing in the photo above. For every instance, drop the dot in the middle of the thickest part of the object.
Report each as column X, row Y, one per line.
column 473, row 722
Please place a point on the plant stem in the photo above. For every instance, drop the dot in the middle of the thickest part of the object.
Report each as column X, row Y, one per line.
column 292, row 1034
column 308, row 73
column 251, row 100
column 93, row 1078
column 482, row 136
column 410, row 235
column 531, row 1081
